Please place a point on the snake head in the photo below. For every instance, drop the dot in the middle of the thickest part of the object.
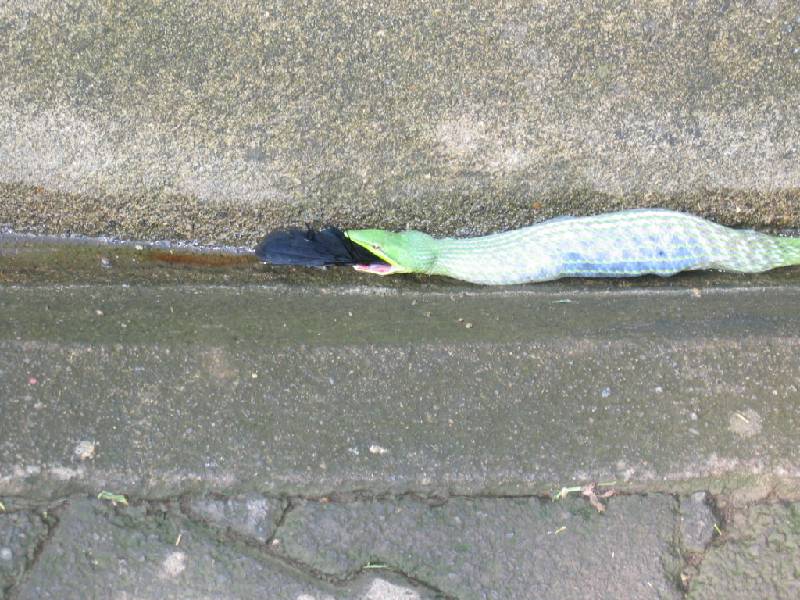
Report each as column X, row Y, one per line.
column 403, row 252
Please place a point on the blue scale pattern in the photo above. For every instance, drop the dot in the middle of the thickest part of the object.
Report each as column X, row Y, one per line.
column 667, row 262
column 628, row 267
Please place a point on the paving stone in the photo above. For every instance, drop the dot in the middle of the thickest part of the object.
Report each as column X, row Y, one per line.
column 251, row 515
column 132, row 553
column 758, row 557
column 496, row 548
column 20, row 533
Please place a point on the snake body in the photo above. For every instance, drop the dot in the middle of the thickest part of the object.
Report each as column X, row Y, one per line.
column 622, row 244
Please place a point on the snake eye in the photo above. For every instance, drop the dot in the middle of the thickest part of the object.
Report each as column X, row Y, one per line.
column 375, row 247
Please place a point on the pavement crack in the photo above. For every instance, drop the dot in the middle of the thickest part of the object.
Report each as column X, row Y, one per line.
column 271, row 548
column 51, row 518
column 692, row 559
column 723, row 516
column 268, row 548
column 273, row 539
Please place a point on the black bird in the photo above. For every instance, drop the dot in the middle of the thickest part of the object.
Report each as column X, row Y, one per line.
column 309, row 248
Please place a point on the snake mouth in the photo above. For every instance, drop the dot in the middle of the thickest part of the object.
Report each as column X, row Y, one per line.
column 377, row 268
column 380, row 265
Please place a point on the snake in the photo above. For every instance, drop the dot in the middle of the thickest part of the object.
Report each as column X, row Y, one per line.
column 627, row 243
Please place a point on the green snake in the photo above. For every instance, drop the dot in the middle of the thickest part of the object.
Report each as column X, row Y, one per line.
column 622, row 244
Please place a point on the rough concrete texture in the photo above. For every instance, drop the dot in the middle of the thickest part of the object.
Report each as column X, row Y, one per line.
column 401, row 548
column 250, row 515
column 157, row 391
column 201, row 120
column 697, row 522
column 759, row 557
column 21, row 533
column 497, row 548
column 146, row 553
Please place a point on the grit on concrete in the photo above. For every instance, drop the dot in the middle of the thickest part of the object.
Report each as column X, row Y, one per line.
column 473, row 548
column 216, row 121
column 647, row 546
column 149, row 552
column 287, row 390
column 498, row 548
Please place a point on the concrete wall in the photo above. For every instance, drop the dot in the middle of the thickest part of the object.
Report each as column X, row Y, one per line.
column 217, row 121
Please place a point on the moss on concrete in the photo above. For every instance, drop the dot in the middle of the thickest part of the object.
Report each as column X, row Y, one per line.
column 757, row 557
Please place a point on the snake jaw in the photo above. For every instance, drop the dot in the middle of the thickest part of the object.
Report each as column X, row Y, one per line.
column 378, row 268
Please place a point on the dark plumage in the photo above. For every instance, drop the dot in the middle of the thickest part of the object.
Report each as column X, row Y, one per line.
column 309, row 248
